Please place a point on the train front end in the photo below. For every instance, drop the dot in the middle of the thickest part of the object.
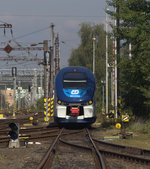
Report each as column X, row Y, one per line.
column 74, row 87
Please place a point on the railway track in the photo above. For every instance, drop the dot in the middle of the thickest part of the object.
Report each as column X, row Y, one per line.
column 122, row 148
column 131, row 155
column 59, row 143
column 102, row 152
column 74, row 147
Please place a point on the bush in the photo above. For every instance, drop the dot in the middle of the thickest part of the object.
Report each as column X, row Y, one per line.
column 146, row 128
column 140, row 126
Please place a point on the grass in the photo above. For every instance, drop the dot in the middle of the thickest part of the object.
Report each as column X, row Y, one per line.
column 140, row 130
column 141, row 141
column 58, row 158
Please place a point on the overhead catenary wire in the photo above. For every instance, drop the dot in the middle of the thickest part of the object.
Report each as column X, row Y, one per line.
column 3, row 22
column 18, row 44
column 56, row 16
column 28, row 34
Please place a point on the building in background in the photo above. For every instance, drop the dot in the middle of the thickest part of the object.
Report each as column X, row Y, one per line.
column 22, row 96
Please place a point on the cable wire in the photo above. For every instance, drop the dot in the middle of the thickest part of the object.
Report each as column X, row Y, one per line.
column 58, row 16
column 28, row 34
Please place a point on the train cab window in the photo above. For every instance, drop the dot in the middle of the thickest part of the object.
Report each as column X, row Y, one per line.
column 74, row 84
column 75, row 80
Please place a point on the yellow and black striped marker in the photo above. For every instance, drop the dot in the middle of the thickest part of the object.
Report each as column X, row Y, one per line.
column 46, row 116
column 125, row 118
column 52, row 106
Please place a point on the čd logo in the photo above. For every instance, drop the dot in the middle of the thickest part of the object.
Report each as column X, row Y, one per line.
column 75, row 92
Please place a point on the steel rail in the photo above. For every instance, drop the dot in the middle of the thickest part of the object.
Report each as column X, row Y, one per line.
column 102, row 164
column 127, row 149
column 126, row 156
column 43, row 162
column 137, row 153
column 26, row 130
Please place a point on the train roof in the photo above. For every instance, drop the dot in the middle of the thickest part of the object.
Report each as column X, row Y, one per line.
column 75, row 69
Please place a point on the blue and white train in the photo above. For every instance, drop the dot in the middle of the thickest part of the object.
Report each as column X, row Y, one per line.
column 74, row 94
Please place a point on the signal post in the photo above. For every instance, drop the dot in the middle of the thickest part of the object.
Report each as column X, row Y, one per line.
column 14, row 135
column 46, row 79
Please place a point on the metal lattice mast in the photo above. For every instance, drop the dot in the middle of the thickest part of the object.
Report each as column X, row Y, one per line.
column 51, row 84
column 57, row 57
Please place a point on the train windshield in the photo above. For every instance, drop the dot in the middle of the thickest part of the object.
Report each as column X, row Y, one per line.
column 75, row 84
column 75, row 80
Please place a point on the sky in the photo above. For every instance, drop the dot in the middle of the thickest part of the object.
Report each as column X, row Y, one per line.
column 31, row 20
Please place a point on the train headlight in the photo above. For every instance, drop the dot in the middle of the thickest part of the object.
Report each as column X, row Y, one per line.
column 90, row 102
column 59, row 102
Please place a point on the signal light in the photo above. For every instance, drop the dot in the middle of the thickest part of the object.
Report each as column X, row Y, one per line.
column 14, row 134
column 90, row 102
column 59, row 102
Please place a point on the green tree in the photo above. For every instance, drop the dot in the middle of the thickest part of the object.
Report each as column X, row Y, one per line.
column 134, row 16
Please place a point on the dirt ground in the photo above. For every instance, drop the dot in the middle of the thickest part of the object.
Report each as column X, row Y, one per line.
column 25, row 157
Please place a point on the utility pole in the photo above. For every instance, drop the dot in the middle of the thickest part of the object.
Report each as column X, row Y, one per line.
column 113, row 76
column 1, row 101
column 51, row 85
column 14, row 74
column 46, row 79
column 103, row 96
column 57, row 55
column 117, row 60
column 29, row 97
column 41, row 80
column 41, row 83
column 106, row 61
column 19, row 93
column 116, row 94
column 45, row 46
column 130, row 50
column 35, row 85
column 94, row 40
column 32, row 92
